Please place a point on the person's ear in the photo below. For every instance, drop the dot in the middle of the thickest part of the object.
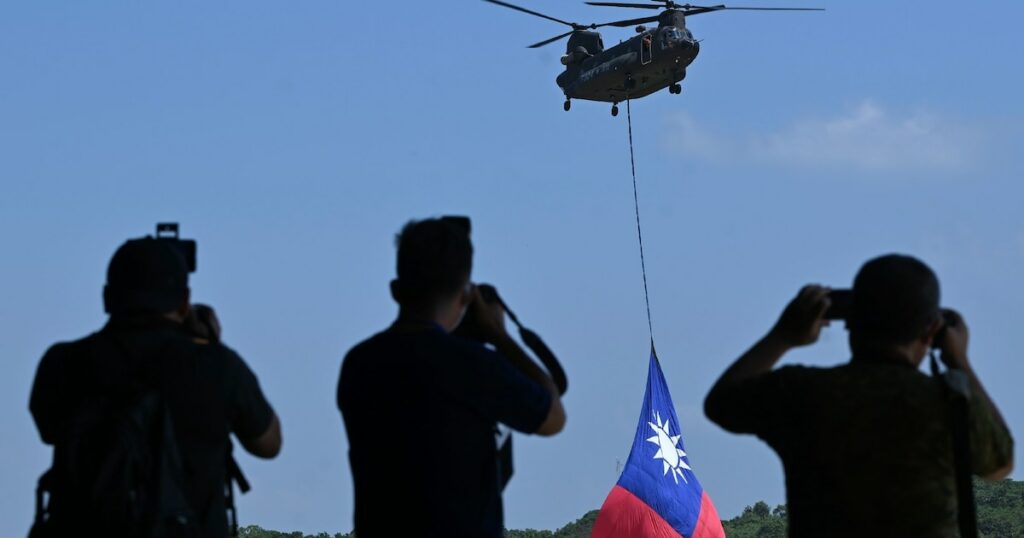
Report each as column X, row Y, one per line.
column 466, row 295
column 185, row 305
column 396, row 291
column 107, row 294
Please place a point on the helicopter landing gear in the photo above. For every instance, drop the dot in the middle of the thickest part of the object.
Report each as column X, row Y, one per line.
column 615, row 110
column 566, row 105
column 675, row 88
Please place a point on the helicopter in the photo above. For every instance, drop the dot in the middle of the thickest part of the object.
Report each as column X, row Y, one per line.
column 654, row 59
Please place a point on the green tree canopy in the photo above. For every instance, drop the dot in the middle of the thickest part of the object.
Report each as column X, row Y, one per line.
column 1000, row 515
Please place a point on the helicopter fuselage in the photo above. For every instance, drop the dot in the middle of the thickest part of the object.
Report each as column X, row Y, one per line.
column 654, row 59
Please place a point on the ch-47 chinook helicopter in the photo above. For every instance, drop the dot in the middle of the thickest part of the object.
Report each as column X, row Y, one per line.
column 655, row 58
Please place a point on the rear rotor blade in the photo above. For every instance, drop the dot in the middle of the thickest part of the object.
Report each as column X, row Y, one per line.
column 775, row 8
column 622, row 4
column 534, row 13
column 705, row 9
column 552, row 40
column 630, row 22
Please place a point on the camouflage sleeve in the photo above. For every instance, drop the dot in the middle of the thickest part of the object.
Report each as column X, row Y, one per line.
column 758, row 404
column 991, row 443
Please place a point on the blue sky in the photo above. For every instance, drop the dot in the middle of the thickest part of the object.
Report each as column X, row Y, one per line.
column 293, row 139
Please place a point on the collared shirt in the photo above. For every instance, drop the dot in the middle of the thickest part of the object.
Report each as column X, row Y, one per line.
column 420, row 408
column 866, row 446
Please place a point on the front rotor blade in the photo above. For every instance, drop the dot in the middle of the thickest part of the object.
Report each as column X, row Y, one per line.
column 696, row 10
column 622, row 4
column 534, row 13
column 552, row 40
column 630, row 22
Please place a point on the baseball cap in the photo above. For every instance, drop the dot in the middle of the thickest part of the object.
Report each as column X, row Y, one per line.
column 145, row 275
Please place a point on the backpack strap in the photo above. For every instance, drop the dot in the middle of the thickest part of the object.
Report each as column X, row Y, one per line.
column 44, row 487
column 234, row 475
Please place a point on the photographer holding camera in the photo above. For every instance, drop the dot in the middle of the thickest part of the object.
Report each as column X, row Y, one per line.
column 140, row 413
column 868, row 446
column 421, row 405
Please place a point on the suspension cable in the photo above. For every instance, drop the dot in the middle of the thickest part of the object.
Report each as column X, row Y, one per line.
column 639, row 233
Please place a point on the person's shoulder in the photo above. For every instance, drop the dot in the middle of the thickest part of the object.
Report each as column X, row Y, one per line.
column 426, row 343
column 216, row 354
column 63, row 363
column 211, row 358
column 888, row 372
column 369, row 347
column 68, row 349
column 465, row 345
column 382, row 352
column 465, row 354
column 792, row 378
column 799, row 372
column 799, row 369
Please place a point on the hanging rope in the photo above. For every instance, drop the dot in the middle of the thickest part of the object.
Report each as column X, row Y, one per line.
column 639, row 233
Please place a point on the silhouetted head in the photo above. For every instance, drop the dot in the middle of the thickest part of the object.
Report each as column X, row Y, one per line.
column 435, row 259
column 146, row 276
column 895, row 308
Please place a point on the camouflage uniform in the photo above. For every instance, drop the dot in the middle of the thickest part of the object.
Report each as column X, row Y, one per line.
column 866, row 446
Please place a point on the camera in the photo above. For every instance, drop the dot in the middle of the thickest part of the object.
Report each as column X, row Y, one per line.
column 459, row 222
column 842, row 302
column 948, row 320
column 168, row 232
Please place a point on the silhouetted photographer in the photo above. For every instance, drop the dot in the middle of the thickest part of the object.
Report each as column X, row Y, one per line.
column 873, row 447
column 140, row 413
column 422, row 401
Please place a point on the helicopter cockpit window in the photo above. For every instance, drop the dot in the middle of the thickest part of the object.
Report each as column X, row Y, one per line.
column 672, row 36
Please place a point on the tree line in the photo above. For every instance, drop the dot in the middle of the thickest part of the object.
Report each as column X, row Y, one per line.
column 1000, row 515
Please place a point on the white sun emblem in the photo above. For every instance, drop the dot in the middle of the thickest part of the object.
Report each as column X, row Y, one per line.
column 668, row 449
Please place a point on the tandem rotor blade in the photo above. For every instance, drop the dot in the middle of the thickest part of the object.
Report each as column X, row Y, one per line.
column 774, row 8
column 620, row 24
column 552, row 40
column 690, row 9
column 622, row 4
column 534, row 13
column 696, row 10
column 630, row 22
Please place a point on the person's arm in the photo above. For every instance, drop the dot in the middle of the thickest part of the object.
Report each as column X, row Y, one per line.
column 799, row 325
column 997, row 447
column 510, row 349
column 268, row 444
column 490, row 320
column 252, row 419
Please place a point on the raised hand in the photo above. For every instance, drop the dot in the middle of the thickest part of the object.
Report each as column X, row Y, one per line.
column 801, row 322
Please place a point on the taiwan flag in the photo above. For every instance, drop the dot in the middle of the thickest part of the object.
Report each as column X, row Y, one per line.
column 658, row 495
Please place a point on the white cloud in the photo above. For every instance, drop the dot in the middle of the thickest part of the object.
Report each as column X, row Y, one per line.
column 866, row 137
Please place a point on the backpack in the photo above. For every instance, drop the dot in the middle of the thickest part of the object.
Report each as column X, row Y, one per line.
column 118, row 471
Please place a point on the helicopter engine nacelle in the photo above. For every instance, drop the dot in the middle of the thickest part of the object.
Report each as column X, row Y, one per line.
column 577, row 55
